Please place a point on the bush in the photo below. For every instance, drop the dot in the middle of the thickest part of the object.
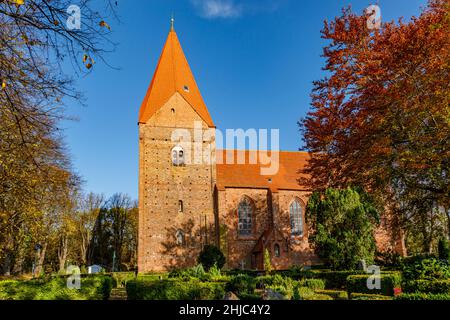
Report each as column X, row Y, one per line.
column 427, row 286
column 267, row 261
column 444, row 249
column 335, row 294
column 317, row 296
column 302, row 293
column 314, row 284
column 364, row 296
column 210, row 256
column 426, row 269
column 275, row 280
column 241, row 284
column 422, row 296
column 96, row 287
column 333, row 279
column 197, row 272
column 358, row 284
column 250, row 297
column 174, row 290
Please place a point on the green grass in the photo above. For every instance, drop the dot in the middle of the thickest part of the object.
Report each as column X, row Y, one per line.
column 92, row 288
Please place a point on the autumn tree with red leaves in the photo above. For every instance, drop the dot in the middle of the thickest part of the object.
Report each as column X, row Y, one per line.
column 380, row 117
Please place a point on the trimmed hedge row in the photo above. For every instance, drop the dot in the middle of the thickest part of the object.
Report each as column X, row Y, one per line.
column 358, row 284
column 335, row 294
column 174, row 290
column 426, row 286
column 333, row 279
column 364, row 296
column 92, row 288
column 422, row 296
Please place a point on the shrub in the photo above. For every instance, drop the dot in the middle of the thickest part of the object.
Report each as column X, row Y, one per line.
column 317, row 296
column 422, row 296
column 302, row 293
column 358, row 284
column 333, row 279
column 210, row 256
column 314, row 284
column 444, row 249
column 426, row 269
column 267, row 261
column 335, row 294
column 174, row 290
column 197, row 272
column 365, row 296
column 246, row 296
column 427, row 286
column 241, row 284
column 272, row 280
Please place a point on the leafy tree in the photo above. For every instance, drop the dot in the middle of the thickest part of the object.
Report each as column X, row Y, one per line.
column 211, row 256
column 380, row 118
column 36, row 178
column 343, row 222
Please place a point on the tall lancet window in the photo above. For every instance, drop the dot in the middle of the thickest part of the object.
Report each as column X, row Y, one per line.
column 178, row 156
column 295, row 211
column 245, row 217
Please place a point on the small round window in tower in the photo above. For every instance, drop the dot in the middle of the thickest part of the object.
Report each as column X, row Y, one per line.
column 186, row 88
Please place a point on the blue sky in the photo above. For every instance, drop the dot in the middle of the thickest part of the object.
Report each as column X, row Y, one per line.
column 254, row 61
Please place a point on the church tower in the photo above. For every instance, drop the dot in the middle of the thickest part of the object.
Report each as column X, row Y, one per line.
column 177, row 171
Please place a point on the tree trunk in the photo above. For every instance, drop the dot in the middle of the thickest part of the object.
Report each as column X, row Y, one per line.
column 7, row 264
column 62, row 253
column 40, row 260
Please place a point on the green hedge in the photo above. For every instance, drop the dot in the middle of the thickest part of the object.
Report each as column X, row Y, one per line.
column 335, row 294
column 315, row 284
column 317, row 296
column 358, row 284
column 174, row 290
column 426, row 286
column 241, row 284
column 422, row 296
column 92, row 288
column 333, row 279
column 365, row 296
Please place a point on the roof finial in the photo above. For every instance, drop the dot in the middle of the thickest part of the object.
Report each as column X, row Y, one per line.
column 172, row 22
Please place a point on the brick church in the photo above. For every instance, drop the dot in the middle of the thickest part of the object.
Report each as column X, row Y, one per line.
column 184, row 205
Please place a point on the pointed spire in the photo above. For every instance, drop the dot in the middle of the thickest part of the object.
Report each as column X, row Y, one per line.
column 173, row 75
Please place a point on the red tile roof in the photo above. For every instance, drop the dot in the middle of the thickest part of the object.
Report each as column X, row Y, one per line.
column 249, row 175
column 172, row 75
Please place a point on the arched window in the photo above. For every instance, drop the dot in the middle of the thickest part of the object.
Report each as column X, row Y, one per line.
column 276, row 250
column 245, row 213
column 295, row 211
column 178, row 156
column 180, row 206
column 180, row 237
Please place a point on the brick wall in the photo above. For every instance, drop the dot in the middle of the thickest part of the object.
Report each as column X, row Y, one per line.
column 162, row 186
